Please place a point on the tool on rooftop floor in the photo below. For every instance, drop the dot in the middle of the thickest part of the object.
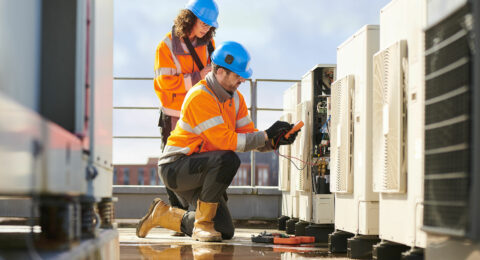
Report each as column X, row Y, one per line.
column 282, row 239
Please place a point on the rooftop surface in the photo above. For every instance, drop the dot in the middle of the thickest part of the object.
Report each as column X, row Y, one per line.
column 160, row 244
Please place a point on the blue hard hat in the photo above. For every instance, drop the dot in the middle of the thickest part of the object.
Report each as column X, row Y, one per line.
column 233, row 56
column 205, row 10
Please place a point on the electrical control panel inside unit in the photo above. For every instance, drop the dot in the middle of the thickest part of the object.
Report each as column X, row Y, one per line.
column 323, row 77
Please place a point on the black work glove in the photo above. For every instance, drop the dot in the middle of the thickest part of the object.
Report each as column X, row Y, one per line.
column 278, row 129
column 289, row 140
column 276, row 132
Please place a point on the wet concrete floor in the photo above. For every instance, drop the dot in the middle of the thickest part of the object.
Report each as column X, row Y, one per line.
column 159, row 244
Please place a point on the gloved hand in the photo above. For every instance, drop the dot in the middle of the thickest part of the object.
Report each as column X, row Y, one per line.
column 289, row 140
column 278, row 129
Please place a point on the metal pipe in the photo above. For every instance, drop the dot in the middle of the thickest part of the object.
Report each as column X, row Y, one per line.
column 278, row 80
column 269, row 109
column 132, row 78
column 131, row 108
column 253, row 109
column 136, row 137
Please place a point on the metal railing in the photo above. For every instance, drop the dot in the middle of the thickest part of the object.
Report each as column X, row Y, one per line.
column 253, row 112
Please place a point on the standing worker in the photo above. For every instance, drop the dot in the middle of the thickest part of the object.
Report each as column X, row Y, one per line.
column 182, row 59
column 199, row 161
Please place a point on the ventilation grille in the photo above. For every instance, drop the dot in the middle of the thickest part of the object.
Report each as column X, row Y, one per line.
column 447, row 124
column 284, row 182
column 304, row 113
column 341, row 133
column 389, row 119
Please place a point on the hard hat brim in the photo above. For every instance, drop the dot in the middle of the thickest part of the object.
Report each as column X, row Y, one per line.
column 245, row 74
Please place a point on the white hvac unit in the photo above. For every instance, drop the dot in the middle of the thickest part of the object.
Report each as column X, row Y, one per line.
column 284, row 169
column 315, row 87
column 56, row 141
column 303, row 146
column 356, row 204
column 70, row 108
column 341, row 135
column 452, row 180
column 290, row 203
column 398, row 119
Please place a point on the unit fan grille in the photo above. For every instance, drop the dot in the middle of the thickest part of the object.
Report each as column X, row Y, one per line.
column 341, row 133
column 448, row 124
column 389, row 119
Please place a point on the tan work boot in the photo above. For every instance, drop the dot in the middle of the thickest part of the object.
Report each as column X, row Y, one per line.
column 160, row 214
column 206, row 251
column 203, row 228
column 169, row 253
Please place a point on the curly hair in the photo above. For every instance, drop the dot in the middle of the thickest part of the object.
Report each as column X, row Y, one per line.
column 184, row 23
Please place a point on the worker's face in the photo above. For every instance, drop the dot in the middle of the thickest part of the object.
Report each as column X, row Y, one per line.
column 229, row 80
column 200, row 29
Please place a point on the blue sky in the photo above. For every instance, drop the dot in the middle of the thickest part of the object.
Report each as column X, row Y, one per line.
column 285, row 39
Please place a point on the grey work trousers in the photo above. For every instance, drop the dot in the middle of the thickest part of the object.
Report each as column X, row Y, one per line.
column 206, row 177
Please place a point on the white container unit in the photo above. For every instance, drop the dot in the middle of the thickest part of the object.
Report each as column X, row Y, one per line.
column 102, row 70
column 398, row 122
column 316, row 208
column 288, row 172
column 356, row 205
column 40, row 146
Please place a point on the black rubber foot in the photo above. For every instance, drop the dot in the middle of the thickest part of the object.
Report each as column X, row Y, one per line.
column 413, row 254
column 387, row 250
column 319, row 231
column 360, row 247
column 337, row 241
column 282, row 222
column 300, row 228
column 291, row 226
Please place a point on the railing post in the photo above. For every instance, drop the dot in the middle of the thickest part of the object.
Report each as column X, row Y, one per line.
column 253, row 102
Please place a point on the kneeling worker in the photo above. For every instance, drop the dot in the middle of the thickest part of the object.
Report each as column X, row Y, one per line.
column 199, row 160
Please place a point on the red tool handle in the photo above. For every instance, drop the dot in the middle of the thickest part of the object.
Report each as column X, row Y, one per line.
column 306, row 239
column 286, row 241
column 294, row 129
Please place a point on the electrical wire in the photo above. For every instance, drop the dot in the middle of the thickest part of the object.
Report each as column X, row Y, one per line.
column 305, row 163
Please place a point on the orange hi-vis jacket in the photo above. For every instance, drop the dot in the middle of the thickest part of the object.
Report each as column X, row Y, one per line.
column 176, row 71
column 212, row 119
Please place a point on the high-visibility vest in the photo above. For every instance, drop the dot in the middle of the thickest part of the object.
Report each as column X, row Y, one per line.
column 176, row 72
column 206, row 124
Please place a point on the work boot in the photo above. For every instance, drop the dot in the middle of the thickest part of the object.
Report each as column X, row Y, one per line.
column 160, row 215
column 170, row 253
column 206, row 251
column 203, row 229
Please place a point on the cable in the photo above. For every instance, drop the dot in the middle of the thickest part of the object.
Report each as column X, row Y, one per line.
column 305, row 163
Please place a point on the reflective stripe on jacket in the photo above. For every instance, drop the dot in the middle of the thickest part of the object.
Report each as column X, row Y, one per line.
column 176, row 72
column 211, row 122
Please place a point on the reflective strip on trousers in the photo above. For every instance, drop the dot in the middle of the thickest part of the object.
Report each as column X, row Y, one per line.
column 170, row 150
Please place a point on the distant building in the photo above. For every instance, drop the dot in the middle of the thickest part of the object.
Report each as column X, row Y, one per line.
column 137, row 174
column 146, row 174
